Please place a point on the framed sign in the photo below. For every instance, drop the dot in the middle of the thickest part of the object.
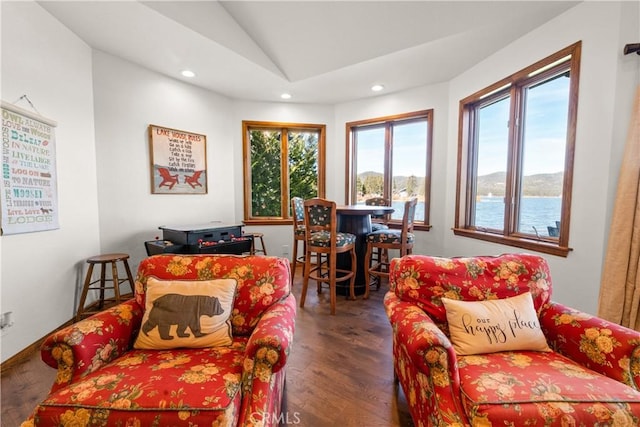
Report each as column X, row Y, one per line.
column 28, row 189
column 178, row 161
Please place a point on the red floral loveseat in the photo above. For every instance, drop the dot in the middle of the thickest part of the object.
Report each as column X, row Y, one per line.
column 103, row 381
column 590, row 378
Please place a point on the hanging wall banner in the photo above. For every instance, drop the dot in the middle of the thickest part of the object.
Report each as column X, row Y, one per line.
column 178, row 161
column 28, row 190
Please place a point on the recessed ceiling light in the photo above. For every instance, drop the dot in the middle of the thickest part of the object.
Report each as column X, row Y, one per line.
column 188, row 73
column 285, row 96
column 377, row 88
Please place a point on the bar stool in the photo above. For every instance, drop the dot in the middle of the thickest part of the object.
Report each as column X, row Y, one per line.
column 402, row 240
column 323, row 238
column 262, row 249
column 103, row 302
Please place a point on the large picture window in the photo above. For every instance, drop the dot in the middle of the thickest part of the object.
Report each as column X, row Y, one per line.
column 390, row 157
column 515, row 162
column 281, row 160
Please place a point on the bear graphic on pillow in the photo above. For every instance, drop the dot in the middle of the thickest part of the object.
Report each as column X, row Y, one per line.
column 181, row 310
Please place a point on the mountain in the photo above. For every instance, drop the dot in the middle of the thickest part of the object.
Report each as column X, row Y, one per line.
column 538, row 185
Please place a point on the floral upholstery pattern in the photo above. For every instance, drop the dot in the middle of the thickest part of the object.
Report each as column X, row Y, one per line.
column 592, row 377
column 297, row 206
column 103, row 381
column 389, row 236
column 377, row 226
column 298, row 211
column 321, row 216
column 378, row 221
column 376, row 201
column 323, row 239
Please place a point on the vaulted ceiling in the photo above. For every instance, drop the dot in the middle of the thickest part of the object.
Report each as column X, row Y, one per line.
column 318, row 51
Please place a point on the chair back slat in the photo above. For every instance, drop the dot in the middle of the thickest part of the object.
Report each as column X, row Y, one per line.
column 379, row 201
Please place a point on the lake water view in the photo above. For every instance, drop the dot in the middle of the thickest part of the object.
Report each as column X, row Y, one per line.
column 538, row 212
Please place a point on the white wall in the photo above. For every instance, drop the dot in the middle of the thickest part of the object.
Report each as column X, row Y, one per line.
column 127, row 100
column 40, row 271
column 577, row 277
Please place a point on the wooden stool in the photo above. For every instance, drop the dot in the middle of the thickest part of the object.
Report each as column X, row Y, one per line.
column 103, row 302
column 253, row 244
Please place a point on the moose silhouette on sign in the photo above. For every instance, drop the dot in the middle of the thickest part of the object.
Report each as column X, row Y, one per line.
column 181, row 310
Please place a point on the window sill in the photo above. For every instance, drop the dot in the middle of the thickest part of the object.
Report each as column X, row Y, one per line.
column 534, row 245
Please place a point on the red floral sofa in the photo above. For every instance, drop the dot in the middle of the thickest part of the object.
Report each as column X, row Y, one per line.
column 103, row 381
column 591, row 376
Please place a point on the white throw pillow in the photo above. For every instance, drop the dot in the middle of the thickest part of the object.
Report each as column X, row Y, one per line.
column 490, row 326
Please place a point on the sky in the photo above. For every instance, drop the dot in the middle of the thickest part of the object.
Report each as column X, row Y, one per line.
column 409, row 150
column 545, row 137
column 545, row 131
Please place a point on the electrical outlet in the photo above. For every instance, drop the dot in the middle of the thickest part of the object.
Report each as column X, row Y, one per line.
column 6, row 320
column 285, row 250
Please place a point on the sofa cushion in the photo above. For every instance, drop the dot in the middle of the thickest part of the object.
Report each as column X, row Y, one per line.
column 146, row 387
column 534, row 386
column 495, row 325
column 425, row 280
column 187, row 313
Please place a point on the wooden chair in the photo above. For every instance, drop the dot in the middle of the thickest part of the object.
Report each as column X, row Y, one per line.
column 322, row 238
column 193, row 180
column 378, row 222
column 167, row 179
column 297, row 212
column 401, row 240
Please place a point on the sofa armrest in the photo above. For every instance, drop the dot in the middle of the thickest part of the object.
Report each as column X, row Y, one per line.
column 428, row 349
column 270, row 341
column 87, row 345
column 598, row 344
column 266, row 356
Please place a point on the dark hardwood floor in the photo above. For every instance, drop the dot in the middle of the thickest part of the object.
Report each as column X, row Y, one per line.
column 339, row 372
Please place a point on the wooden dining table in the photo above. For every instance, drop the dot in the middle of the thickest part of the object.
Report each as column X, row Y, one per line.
column 356, row 219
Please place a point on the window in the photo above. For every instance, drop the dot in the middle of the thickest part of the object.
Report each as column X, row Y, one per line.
column 390, row 157
column 281, row 160
column 515, row 162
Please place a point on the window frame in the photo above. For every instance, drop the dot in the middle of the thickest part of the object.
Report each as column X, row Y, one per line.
column 284, row 128
column 387, row 123
column 513, row 87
